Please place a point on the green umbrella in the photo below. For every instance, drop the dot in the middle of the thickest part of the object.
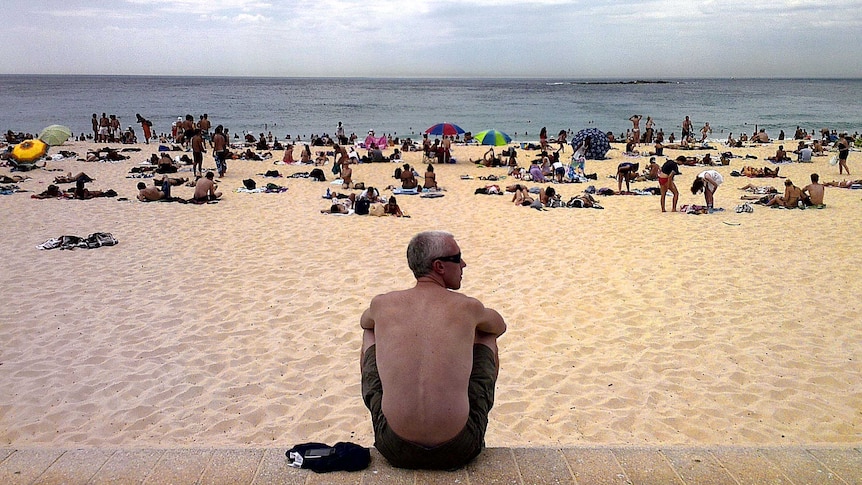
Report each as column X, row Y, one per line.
column 493, row 137
column 55, row 134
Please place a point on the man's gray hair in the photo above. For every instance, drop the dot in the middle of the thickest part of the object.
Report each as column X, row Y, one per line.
column 424, row 248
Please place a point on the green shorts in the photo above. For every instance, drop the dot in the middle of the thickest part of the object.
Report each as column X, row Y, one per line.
column 452, row 454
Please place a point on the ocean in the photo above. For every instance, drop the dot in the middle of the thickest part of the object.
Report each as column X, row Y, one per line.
column 406, row 107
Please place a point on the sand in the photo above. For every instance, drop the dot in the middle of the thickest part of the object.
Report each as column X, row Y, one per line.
column 236, row 324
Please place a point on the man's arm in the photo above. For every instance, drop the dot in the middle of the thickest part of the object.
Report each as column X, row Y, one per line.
column 365, row 321
column 491, row 322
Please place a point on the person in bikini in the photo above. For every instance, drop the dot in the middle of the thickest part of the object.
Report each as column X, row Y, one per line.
column 665, row 181
column 430, row 178
column 69, row 178
column 791, row 198
column 430, row 362
column 392, row 207
column 626, row 172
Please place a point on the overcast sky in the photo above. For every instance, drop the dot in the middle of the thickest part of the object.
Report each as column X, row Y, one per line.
column 636, row 39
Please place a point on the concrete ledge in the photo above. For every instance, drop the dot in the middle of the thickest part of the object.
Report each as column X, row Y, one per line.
column 574, row 465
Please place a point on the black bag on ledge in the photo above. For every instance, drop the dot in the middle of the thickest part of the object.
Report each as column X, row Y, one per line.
column 321, row 458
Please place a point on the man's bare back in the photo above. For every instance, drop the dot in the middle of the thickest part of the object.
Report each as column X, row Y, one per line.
column 425, row 356
column 423, row 340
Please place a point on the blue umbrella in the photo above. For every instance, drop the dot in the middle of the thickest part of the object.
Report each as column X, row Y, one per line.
column 599, row 144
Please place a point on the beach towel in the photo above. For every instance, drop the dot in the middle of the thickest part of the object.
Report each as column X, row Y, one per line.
column 95, row 240
column 405, row 191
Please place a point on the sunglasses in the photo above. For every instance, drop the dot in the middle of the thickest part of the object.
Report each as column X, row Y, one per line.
column 455, row 258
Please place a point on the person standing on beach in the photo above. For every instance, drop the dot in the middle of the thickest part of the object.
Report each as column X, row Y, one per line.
column 114, row 128
column 843, row 153
column 686, row 128
column 104, row 128
column 648, row 134
column 198, row 150
column 705, row 131
column 220, row 143
column 204, row 125
column 95, row 121
column 665, row 182
column 430, row 362
column 636, row 128
column 146, row 126
column 187, row 129
column 342, row 158
column 339, row 134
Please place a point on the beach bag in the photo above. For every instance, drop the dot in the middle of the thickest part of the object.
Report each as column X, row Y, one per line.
column 336, row 169
column 272, row 173
column 317, row 174
column 377, row 209
column 249, row 184
column 833, row 160
column 362, row 207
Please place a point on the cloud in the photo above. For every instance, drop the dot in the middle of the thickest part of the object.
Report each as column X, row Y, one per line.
column 581, row 38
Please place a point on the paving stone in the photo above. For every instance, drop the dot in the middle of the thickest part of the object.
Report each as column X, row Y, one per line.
column 800, row 466
column 74, row 466
column 127, row 467
column 646, row 466
column 542, row 465
column 179, row 466
column 232, row 467
column 697, row 465
column 595, row 466
column 847, row 463
column 24, row 466
column 494, row 466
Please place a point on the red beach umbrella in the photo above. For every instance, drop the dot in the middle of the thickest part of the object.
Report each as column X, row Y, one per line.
column 447, row 129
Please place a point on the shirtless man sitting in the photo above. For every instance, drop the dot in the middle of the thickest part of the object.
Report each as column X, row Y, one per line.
column 430, row 362
column 812, row 194
column 651, row 171
column 205, row 189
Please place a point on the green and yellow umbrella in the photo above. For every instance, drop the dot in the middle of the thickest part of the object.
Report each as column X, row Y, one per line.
column 29, row 151
column 493, row 137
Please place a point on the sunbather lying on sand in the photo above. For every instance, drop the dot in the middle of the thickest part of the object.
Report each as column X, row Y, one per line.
column 759, row 172
column 69, row 178
column 844, row 184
